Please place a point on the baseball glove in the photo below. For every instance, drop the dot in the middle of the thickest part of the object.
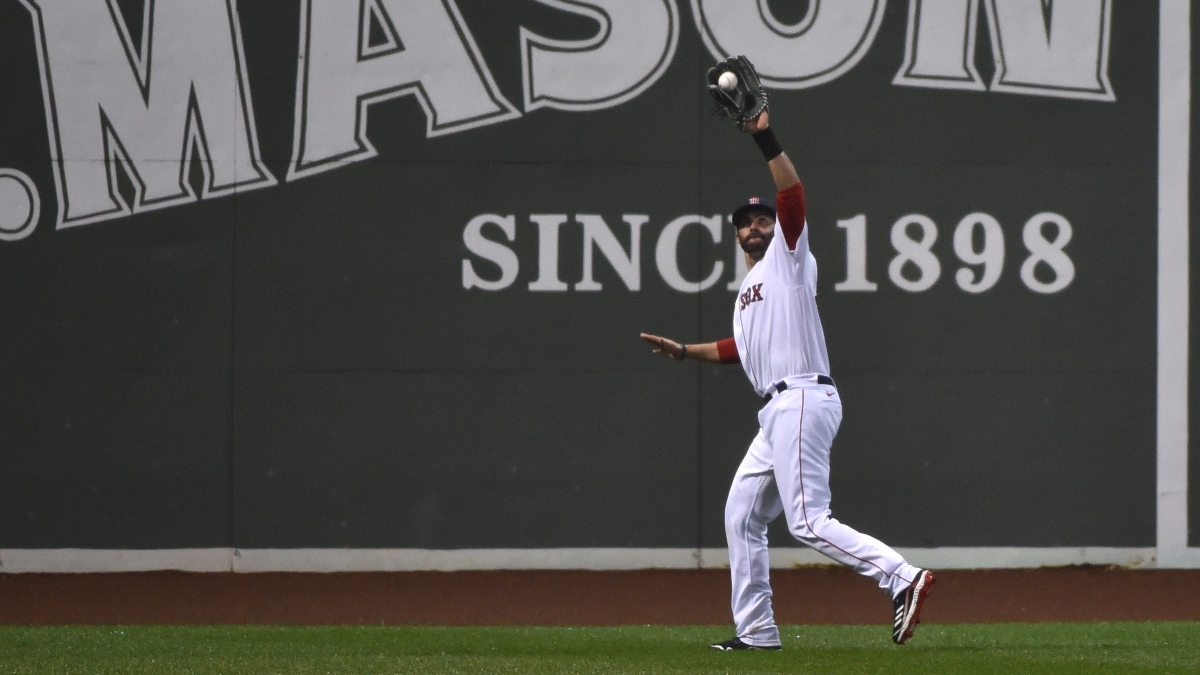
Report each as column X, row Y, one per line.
column 746, row 100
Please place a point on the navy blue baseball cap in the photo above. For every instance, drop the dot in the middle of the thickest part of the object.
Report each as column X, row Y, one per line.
column 752, row 205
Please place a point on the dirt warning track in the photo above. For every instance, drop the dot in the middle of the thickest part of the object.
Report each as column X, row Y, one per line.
column 810, row 595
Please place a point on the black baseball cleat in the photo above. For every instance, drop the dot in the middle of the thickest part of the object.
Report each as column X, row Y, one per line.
column 735, row 644
column 907, row 607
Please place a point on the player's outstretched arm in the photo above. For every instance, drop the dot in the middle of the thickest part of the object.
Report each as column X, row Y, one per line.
column 724, row 351
column 790, row 202
column 781, row 167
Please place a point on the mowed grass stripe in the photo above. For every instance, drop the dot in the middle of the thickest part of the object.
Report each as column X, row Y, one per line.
column 232, row 650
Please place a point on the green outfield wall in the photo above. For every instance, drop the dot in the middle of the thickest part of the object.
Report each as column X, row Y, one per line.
column 369, row 274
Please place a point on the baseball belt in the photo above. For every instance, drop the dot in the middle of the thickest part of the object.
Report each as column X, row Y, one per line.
column 781, row 386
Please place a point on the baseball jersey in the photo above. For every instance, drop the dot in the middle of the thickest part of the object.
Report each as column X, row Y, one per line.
column 775, row 322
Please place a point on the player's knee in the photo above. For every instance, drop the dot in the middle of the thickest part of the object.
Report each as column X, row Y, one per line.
column 740, row 518
column 803, row 534
column 736, row 515
column 807, row 531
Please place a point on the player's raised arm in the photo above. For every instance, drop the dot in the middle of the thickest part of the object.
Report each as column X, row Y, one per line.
column 790, row 204
column 738, row 92
column 722, row 351
column 781, row 167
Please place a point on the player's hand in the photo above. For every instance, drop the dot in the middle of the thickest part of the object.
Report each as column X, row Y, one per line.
column 664, row 346
column 758, row 123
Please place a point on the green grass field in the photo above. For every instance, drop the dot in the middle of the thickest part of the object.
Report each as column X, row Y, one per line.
column 231, row 650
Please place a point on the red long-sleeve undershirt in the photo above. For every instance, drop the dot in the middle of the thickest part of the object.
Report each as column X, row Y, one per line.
column 727, row 351
column 791, row 210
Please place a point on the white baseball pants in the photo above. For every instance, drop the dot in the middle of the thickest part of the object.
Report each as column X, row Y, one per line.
column 786, row 470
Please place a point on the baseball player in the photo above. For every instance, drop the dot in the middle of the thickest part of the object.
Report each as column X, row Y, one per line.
column 778, row 339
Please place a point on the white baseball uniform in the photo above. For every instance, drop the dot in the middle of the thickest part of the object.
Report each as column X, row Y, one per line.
column 786, row 470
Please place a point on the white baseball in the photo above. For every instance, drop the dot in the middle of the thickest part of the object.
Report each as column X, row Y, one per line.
column 727, row 81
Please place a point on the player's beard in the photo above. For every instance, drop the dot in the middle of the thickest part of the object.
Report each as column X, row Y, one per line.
column 755, row 245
